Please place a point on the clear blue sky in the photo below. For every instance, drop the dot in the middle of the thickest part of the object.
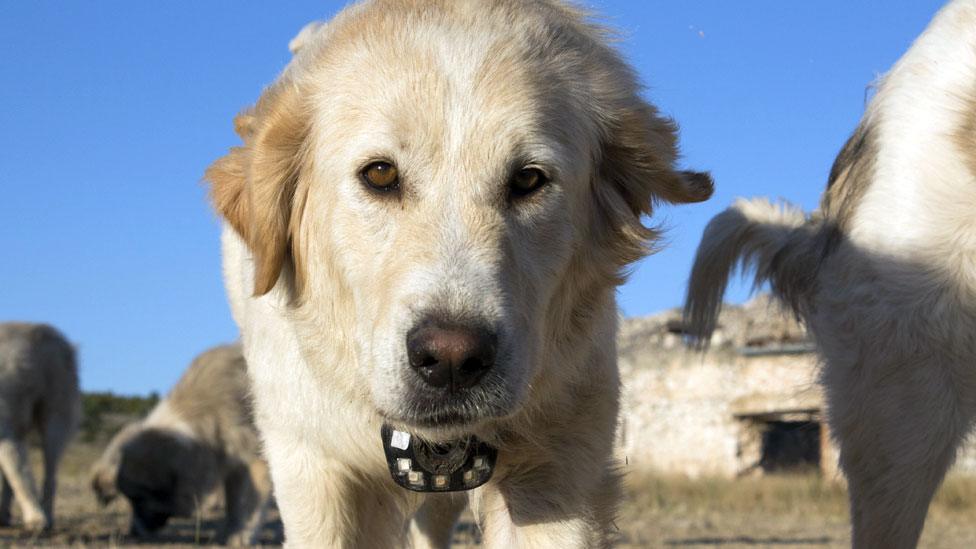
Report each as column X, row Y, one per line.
column 111, row 110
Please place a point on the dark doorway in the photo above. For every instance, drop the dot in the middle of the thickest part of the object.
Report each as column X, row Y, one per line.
column 790, row 446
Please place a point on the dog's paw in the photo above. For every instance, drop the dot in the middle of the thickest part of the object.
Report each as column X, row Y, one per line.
column 36, row 524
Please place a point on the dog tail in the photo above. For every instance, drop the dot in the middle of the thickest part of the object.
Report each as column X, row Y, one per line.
column 774, row 240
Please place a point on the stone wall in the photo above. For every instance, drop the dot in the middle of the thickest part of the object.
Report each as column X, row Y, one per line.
column 702, row 414
column 688, row 414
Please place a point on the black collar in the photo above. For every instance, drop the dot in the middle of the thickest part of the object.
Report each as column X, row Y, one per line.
column 422, row 466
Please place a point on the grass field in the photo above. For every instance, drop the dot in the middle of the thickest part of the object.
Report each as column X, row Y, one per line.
column 793, row 511
column 774, row 511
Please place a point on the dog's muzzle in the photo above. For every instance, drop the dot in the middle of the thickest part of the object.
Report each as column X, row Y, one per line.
column 422, row 466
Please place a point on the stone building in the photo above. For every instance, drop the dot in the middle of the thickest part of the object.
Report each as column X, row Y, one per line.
column 750, row 404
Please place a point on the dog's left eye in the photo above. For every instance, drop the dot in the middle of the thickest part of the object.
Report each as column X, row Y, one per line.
column 381, row 176
column 527, row 181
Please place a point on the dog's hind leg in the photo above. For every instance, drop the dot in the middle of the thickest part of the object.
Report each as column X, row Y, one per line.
column 898, row 426
column 6, row 497
column 56, row 435
column 433, row 525
column 17, row 471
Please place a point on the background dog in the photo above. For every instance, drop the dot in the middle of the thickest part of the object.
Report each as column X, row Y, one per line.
column 201, row 437
column 105, row 470
column 38, row 391
column 884, row 274
column 425, row 227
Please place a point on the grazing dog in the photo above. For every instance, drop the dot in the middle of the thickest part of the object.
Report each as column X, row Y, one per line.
column 38, row 390
column 105, row 470
column 884, row 275
column 201, row 437
column 425, row 227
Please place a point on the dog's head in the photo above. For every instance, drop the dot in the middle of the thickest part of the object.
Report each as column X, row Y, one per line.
column 163, row 474
column 449, row 189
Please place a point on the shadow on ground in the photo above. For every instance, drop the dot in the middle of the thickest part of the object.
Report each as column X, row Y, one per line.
column 746, row 540
column 108, row 530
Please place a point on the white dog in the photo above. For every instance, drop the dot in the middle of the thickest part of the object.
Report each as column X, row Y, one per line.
column 38, row 392
column 426, row 224
column 884, row 274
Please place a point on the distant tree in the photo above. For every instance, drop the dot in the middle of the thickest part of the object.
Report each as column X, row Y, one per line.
column 103, row 413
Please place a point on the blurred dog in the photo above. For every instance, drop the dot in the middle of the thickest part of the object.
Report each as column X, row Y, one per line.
column 38, row 391
column 425, row 227
column 884, row 274
column 199, row 438
column 105, row 470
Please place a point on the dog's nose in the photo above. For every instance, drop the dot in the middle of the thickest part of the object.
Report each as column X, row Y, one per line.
column 453, row 357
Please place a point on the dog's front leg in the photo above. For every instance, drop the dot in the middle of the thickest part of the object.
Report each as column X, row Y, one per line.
column 548, row 508
column 247, row 490
column 433, row 525
column 328, row 504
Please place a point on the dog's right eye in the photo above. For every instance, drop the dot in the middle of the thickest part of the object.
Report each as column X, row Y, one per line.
column 526, row 181
column 381, row 176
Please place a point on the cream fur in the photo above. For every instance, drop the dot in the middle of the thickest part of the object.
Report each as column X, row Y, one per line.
column 325, row 278
column 884, row 275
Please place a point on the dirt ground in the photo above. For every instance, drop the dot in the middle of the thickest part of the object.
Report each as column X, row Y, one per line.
column 797, row 511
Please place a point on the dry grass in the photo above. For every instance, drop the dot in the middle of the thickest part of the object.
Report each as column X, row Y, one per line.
column 776, row 511
column 768, row 494
column 771, row 511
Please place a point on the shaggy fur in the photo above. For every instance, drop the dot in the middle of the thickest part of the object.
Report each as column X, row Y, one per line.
column 326, row 277
column 884, row 275
column 201, row 437
column 38, row 392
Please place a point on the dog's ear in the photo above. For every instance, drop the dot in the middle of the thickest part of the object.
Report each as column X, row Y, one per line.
column 636, row 171
column 103, row 484
column 639, row 159
column 254, row 186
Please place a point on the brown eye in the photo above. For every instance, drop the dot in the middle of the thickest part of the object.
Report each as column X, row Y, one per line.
column 527, row 181
column 381, row 176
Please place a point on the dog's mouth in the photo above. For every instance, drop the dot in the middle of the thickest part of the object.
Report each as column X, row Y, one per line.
column 452, row 414
column 444, row 420
column 423, row 466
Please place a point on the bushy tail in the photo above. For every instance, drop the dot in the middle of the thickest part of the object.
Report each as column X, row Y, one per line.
column 775, row 240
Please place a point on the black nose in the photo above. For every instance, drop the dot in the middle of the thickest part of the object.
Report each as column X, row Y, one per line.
column 451, row 356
